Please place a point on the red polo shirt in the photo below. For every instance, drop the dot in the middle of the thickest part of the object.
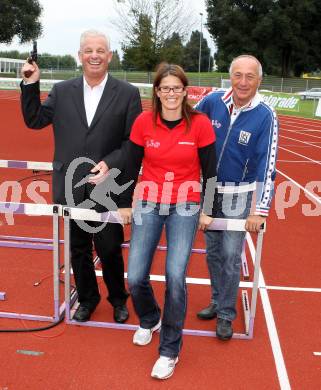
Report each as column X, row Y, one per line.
column 171, row 166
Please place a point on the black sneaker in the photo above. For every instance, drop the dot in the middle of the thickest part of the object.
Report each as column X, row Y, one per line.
column 208, row 313
column 224, row 330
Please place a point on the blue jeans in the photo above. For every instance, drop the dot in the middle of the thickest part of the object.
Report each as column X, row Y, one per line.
column 224, row 249
column 146, row 231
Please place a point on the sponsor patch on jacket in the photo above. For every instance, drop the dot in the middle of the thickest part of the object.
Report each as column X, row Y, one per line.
column 186, row 143
column 244, row 137
column 216, row 123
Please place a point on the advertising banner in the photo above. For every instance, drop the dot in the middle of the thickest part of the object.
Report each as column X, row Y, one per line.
column 318, row 110
column 197, row 93
column 281, row 101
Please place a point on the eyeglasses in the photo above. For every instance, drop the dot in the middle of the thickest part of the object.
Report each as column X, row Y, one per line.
column 175, row 89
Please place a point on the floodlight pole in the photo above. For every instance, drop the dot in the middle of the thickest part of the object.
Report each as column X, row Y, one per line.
column 200, row 52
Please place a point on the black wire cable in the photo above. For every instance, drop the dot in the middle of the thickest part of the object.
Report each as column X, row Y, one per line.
column 38, row 329
column 35, row 174
column 22, row 330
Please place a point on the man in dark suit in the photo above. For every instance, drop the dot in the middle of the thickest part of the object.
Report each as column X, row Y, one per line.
column 91, row 117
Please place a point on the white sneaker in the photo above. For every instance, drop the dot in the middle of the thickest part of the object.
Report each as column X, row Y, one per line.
column 164, row 367
column 144, row 336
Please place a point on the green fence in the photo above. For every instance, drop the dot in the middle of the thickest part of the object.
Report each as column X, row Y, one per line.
column 213, row 79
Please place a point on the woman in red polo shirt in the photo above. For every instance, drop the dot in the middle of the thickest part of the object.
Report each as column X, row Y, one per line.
column 174, row 143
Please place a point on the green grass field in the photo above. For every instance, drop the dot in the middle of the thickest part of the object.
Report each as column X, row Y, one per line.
column 306, row 109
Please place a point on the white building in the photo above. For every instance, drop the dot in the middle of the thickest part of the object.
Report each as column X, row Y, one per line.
column 8, row 65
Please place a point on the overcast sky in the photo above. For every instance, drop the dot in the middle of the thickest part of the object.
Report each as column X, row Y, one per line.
column 64, row 20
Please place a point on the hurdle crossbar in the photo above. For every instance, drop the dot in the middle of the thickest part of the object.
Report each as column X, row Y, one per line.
column 34, row 165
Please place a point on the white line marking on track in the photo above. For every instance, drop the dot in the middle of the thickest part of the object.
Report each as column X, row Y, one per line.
column 317, row 353
column 300, row 155
column 291, row 126
column 300, row 120
column 299, row 161
column 295, row 289
column 317, row 199
column 196, row 281
column 273, row 334
column 206, row 282
column 301, row 142
column 297, row 146
column 303, row 133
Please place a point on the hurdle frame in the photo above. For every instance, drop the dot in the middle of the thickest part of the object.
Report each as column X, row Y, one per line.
column 32, row 209
column 113, row 217
column 249, row 308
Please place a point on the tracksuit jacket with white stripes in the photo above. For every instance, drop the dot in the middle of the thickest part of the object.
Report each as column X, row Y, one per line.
column 246, row 147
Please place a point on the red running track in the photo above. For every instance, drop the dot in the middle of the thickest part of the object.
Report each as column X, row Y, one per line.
column 287, row 329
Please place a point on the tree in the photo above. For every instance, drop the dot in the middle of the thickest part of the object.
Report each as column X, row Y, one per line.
column 231, row 24
column 277, row 32
column 13, row 54
column 140, row 53
column 294, row 39
column 115, row 63
column 21, row 18
column 67, row 61
column 50, row 61
column 45, row 60
column 192, row 51
column 147, row 26
column 172, row 50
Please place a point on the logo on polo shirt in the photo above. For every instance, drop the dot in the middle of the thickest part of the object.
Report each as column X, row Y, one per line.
column 152, row 144
column 244, row 137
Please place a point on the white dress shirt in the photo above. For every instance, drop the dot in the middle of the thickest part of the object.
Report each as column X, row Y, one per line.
column 92, row 96
column 235, row 112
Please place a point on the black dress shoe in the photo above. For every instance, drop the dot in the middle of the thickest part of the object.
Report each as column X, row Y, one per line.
column 208, row 313
column 82, row 314
column 224, row 330
column 120, row 313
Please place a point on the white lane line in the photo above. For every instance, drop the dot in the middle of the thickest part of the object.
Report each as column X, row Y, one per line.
column 206, row 282
column 299, row 120
column 302, row 133
column 298, row 146
column 273, row 334
column 300, row 155
column 298, row 161
column 317, row 199
column 301, row 142
column 299, row 289
column 281, row 369
column 317, row 353
column 196, row 281
column 291, row 126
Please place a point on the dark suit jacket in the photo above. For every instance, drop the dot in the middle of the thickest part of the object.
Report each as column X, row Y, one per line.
column 102, row 140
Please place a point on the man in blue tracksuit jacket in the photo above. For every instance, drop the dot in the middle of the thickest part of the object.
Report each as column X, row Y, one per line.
column 246, row 147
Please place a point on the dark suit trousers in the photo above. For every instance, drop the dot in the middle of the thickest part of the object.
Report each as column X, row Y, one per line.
column 108, row 247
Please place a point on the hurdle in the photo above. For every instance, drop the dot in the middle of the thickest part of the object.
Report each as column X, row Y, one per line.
column 32, row 209
column 249, row 306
